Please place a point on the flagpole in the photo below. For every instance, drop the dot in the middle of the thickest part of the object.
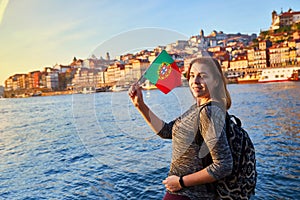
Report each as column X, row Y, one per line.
column 141, row 79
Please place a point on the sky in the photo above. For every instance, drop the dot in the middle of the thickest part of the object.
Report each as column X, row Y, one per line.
column 35, row 34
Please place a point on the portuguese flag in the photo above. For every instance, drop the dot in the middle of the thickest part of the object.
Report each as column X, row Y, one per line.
column 164, row 73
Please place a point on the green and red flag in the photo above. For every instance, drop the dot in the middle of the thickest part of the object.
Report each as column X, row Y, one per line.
column 164, row 73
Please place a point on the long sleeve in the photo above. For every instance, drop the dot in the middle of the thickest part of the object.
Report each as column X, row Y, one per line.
column 213, row 130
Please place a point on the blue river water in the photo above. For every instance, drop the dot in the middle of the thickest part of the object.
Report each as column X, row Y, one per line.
column 96, row 146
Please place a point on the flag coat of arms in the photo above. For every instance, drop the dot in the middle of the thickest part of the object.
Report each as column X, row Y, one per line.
column 164, row 73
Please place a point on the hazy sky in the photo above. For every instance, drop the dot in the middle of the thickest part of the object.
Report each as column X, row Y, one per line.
column 39, row 33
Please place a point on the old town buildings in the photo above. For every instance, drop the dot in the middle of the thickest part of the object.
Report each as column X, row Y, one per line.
column 239, row 55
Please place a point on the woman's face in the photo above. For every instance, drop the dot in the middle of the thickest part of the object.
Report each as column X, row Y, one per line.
column 201, row 81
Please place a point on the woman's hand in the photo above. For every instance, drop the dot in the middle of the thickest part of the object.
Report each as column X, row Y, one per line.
column 172, row 183
column 136, row 95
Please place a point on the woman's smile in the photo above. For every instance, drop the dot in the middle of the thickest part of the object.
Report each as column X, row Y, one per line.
column 197, row 88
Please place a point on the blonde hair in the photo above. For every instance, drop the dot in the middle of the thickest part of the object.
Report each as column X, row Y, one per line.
column 221, row 92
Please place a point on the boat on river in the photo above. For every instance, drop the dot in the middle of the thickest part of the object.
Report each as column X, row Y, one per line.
column 248, row 78
column 148, row 86
column 36, row 94
column 102, row 89
column 120, row 88
column 280, row 74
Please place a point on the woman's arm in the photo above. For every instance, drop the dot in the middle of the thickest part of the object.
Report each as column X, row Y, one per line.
column 135, row 93
column 214, row 134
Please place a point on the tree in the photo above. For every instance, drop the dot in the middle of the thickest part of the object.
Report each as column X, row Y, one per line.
column 295, row 27
column 283, row 29
column 94, row 57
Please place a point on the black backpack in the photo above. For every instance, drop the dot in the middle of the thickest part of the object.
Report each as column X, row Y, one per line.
column 240, row 184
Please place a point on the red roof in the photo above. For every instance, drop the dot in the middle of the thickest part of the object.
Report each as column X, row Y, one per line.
column 289, row 14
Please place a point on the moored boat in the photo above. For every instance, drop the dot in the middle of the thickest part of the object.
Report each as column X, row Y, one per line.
column 87, row 90
column 36, row 94
column 247, row 79
column 148, row 86
column 296, row 75
column 102, row 89
column 280, row 74
column 232, row 77
column 119, row 88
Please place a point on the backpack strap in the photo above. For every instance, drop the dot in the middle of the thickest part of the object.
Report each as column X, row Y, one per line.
column 236, row 119
column 196, row 123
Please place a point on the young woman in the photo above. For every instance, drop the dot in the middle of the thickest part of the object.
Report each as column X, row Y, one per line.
column 200, row 131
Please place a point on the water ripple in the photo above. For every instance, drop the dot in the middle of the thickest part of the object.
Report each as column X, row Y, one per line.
column 98, row 147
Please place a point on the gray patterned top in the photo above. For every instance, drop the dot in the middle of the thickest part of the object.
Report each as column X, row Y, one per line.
column 187, row 154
